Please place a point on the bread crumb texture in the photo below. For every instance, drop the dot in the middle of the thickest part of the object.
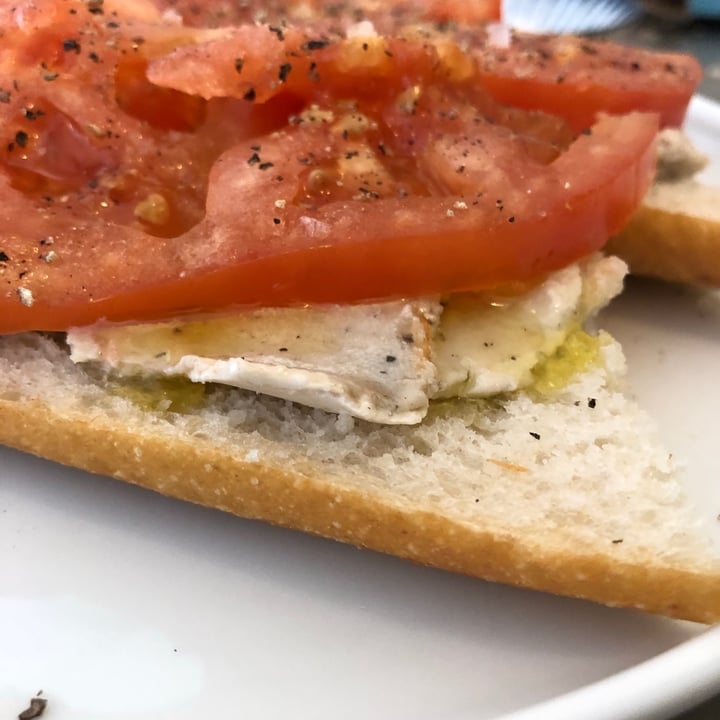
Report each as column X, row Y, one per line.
column 573, row 496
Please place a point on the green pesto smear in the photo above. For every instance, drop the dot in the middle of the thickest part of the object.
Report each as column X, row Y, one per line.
column 576, row 355
column 159, row 393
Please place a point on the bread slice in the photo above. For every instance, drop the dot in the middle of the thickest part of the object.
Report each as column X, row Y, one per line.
column 570, row 496
column 675, row 234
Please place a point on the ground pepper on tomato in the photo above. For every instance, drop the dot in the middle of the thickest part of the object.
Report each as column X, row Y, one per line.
column 151, row 168
column 576, row 78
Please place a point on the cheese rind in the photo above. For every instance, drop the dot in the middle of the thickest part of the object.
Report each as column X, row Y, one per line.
column 371, row 361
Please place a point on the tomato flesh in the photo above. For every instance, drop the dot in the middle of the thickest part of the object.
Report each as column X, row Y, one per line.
column 576, row 78
column 268, row 165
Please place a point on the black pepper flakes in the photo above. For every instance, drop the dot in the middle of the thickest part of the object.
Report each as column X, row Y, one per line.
column 535, row 435
column 33, row 113
column 249, row 95
column 277, row 220
column 592, row 403
column 311, row 45
column 278, row 31
column 617, row 541
column 253, row 159
column 390, row 358
column 284, row 71
column 4, row 96
column 239, row 62
column 282, row 349
column 21, row 138
column 511, row 219
column 95, row 7
column 265, row 165
column 312, row 73
column 71, row 45
column 368, row 194
column 35, row 709
column 4, row 257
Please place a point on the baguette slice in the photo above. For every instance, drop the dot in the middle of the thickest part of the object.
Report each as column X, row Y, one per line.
column 675, row 234
column 570, row 496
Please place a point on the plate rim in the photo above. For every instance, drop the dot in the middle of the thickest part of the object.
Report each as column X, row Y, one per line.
column 676, row 680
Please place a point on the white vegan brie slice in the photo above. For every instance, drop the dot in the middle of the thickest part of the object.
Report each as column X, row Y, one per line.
column 381, row 362
column 491, row 347
column 367, row 360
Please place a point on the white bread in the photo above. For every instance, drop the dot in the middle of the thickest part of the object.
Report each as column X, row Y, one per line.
column 588, row 508
column 675, row 234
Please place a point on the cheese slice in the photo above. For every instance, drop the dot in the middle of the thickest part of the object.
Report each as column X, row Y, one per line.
column 371, row 361
column 380, row 362
column 490, row 346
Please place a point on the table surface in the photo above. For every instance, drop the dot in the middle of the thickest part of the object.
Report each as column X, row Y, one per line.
column 702, row 39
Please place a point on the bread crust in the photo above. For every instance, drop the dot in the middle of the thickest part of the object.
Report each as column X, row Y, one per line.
column 201, row 471
column 673, row 246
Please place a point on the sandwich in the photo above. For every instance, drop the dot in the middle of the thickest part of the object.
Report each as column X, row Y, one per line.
column 339, row 273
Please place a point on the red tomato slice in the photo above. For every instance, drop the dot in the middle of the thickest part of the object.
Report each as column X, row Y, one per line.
column 371, row 169
column 348, row 249
column 576, row 78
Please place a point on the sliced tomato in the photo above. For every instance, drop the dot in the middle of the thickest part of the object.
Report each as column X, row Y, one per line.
column 212, row 175
column 330, row 243
column 576, row 78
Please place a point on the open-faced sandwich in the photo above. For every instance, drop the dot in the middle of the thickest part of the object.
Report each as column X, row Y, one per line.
column 336, row 269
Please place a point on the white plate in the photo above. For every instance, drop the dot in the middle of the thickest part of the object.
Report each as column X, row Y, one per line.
column 122, row 605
